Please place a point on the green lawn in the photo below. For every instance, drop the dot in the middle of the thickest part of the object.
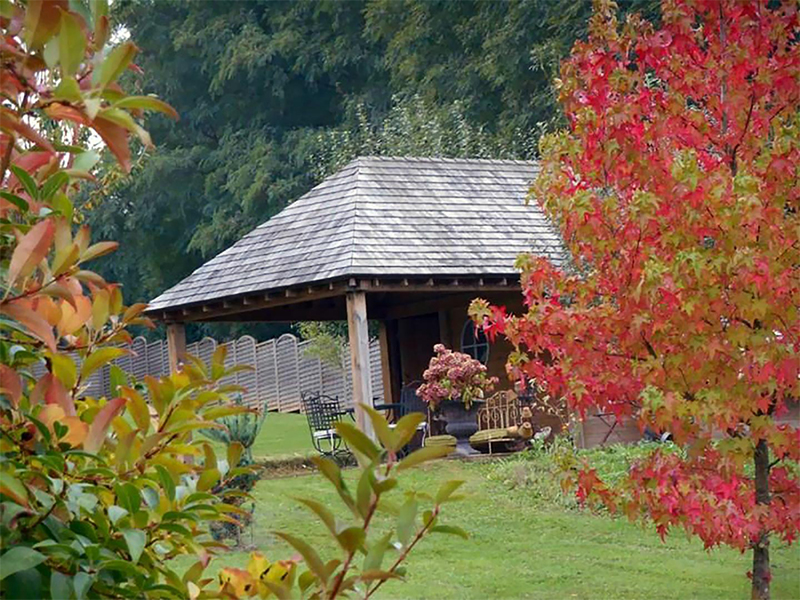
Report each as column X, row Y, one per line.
column 284, row 435
column 525, row 543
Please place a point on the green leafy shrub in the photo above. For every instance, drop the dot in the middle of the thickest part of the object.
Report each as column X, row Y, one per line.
column 243, row 428
column 540, row 471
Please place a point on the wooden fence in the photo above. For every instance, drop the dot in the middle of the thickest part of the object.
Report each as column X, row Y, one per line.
column 282, row 369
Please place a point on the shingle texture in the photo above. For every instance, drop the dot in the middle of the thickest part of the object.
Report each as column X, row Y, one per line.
column 406, row 217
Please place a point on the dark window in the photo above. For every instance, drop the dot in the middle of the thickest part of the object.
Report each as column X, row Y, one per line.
column 474, row 342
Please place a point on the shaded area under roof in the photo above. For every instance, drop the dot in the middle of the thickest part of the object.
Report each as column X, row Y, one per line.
column 384, row 217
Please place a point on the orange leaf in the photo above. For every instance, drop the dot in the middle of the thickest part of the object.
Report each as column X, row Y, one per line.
column 50, row 414
column 72, row 319
column 47, row 308
column 99, row 427
column 10, row 384
column 78, row 430
column 61, row 112
column 116, row 138
column 30, row 250
column 32, row 321
column 56, row 290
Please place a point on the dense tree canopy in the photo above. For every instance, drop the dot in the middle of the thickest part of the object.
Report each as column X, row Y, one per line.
column 675, row 189
column 274, row 95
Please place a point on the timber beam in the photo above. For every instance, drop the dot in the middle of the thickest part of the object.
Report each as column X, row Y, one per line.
column 257, row 302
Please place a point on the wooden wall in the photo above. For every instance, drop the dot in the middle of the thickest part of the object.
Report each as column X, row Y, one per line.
column 417, row 336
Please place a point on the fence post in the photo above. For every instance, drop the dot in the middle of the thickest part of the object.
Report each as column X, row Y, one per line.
column 277, row 377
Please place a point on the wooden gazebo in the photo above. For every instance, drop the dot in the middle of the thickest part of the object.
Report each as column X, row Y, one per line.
column 408, row 242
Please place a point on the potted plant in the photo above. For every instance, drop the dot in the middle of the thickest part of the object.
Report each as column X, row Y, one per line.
column 455, row 385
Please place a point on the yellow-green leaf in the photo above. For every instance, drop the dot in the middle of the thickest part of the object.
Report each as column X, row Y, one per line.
column 146, row 103
column 100, row 309
column 446, row 490
column 98, row 358
column 208, row 479
column 381, row 426
column 12, row 487
column 422, row 455
column 210, row 456
column 68, row 89
column 64, row 368
column 234, row 454
column 325, row 515
column 116, row 62
column 138, row 408
column 406, row 428
column 357, row 440
column 451, row 529
column 308, row 553
column 351, row 539
column 218, row 362
column 71, row 44
column 98, row 249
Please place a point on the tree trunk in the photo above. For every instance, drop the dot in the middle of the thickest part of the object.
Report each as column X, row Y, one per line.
column 761, row 574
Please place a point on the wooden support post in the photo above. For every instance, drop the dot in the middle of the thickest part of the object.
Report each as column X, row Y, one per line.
column 176, row 350
column 358, row 330
column 386, row 369
column 176, row 345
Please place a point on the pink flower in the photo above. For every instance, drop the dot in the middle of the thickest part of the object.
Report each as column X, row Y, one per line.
column 454, row 375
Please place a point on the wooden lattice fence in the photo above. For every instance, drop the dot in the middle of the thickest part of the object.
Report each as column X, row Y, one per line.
column 282, row 369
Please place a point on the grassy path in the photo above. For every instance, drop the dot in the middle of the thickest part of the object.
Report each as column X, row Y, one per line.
column 521, row 548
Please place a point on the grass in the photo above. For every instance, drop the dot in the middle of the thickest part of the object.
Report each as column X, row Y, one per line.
column 526, row 541
column 284, row 435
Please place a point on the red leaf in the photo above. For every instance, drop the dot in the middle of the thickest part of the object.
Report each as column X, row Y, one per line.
column 99, row 427
column 50, row 390
column 30, row 162
column 10, row 122
column 41, row 20
column 10, row 384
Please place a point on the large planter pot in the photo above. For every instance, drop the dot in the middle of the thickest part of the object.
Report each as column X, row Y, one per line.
column 461, row 423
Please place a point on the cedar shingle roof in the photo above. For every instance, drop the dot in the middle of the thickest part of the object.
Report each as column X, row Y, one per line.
column 390, row 217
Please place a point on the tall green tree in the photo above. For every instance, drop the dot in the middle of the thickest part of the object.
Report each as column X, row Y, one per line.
column 275, row 95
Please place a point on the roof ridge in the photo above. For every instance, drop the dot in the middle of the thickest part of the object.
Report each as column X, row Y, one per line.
column 441, row 159
column 356, row 196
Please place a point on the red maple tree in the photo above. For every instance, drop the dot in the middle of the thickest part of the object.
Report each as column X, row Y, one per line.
column 675, row 189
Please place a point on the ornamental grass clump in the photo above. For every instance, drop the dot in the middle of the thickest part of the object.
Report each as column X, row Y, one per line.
column 454, row 376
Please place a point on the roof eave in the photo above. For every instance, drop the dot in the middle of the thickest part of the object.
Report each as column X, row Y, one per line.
column 263, row 300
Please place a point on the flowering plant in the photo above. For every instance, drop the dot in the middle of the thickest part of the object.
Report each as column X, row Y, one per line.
column 453, row 376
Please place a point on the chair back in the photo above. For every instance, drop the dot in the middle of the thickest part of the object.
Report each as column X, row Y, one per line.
column 410, row 402
column 500, row 411
column 322, row 412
